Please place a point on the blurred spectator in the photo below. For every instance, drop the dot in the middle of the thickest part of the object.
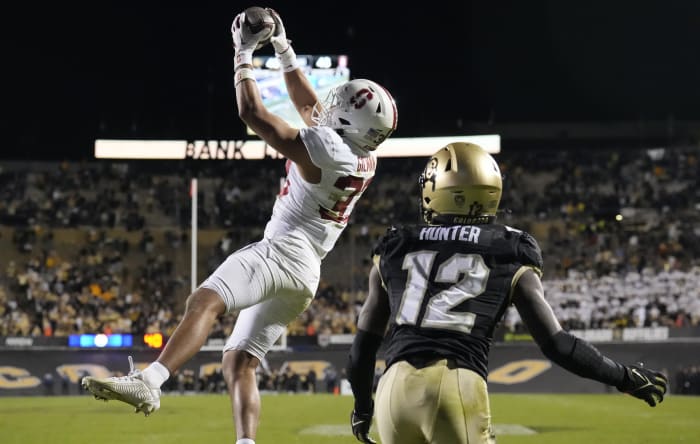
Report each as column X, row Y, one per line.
column 47, row 382
column 688, row 381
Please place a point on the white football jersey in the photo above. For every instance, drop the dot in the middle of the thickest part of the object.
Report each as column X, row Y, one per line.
column 319, row 212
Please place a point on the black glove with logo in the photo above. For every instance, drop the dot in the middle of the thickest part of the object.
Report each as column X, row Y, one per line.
column 647, row 385
column 361, row 423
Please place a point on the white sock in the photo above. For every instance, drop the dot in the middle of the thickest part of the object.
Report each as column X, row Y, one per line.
column 245, row 441
column 155, row 374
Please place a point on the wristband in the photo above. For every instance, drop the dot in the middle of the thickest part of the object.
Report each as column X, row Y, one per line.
column 242, row 58
column 288, row 59
column 242, row 74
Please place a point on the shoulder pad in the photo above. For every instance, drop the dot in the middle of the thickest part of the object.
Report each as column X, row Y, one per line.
column 380, row 245
column 529, row 251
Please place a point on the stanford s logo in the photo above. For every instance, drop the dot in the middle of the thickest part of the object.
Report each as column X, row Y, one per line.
column 361, row 97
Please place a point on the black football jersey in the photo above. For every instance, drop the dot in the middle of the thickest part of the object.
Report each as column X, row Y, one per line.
column 448, row 287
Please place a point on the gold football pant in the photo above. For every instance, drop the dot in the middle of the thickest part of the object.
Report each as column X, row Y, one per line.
column 437, row 404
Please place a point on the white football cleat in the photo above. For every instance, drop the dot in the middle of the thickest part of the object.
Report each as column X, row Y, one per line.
column 131, row 389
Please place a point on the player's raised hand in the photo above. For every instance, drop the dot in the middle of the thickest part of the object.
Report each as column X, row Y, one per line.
column 279, row 39
column 645, row 384
column 361, row 423
column 244, row 40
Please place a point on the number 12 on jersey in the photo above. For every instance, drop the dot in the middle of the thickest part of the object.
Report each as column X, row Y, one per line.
column 438, row 312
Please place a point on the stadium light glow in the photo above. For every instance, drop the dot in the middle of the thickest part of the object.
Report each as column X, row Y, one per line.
column 324, row 62
column 153, row 340
column 100, row 340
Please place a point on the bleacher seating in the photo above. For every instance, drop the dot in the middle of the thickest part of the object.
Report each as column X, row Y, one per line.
column 105, row 245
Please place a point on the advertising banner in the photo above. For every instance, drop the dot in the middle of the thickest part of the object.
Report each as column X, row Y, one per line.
column 518, row 368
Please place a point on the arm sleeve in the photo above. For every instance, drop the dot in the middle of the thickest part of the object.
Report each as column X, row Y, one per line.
column 360, row 370
column 583, row 359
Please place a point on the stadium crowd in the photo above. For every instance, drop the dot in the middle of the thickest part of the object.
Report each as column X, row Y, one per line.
column 620, row 235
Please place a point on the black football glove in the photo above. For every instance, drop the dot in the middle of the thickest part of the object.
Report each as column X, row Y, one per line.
column 361, row 422
column 647, row 385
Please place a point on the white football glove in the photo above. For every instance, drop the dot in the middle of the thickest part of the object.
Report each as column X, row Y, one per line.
column 243, row 39
column 283, row 47
column 279, row 39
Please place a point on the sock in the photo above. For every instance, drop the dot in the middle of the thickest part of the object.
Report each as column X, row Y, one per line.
column 245, row 441
column 155, row 374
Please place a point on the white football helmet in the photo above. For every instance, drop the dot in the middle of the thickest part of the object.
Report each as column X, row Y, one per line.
column 361, row 111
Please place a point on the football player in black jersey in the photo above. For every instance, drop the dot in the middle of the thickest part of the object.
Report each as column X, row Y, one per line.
column 441, row 288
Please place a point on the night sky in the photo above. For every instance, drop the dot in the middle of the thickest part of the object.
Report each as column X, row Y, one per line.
column 124, row 70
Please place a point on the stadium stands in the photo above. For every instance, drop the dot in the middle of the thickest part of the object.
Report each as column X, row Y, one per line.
column 104, row 247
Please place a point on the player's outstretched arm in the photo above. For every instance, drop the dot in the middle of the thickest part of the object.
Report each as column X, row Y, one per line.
column 300, row 90
column 270, row 127
column 371, row 326
column 579, row 356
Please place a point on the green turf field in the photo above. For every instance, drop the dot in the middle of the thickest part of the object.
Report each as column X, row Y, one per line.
column 309, row 419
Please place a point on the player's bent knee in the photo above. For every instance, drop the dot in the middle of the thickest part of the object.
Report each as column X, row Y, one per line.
column 205, row 300
column 237, row 362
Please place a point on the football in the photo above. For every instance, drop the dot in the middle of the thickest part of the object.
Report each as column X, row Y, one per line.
column 258, row 19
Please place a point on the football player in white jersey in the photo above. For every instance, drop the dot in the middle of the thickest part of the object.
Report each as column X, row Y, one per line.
column 330, row 163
